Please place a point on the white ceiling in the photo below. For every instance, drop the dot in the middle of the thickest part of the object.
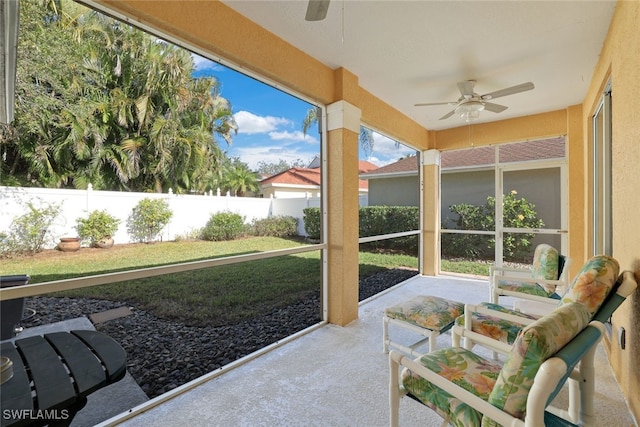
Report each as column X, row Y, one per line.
column 408, row 52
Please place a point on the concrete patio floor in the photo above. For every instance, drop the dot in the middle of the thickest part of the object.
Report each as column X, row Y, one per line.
column 336, row 376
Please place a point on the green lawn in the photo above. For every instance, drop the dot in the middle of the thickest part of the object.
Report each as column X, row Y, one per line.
column 207, row 297
column 465, row 267
column 213, row 296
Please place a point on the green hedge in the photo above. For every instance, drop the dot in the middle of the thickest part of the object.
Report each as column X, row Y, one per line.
column 275, row 226
column 224, row 226
column 373, row 221
column 311, row 218
column 518, row 212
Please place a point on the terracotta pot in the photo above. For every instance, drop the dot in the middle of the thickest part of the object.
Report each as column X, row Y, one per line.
column 104, row 243
column 69, row 244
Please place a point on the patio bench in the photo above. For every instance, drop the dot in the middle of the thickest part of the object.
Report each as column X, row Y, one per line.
column 53, row 374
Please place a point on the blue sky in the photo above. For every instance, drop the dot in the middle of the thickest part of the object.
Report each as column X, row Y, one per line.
column 270, row 122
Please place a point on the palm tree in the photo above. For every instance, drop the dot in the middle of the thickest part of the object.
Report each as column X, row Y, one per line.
column 365, row 138
column 240, row 179
column 122, row 112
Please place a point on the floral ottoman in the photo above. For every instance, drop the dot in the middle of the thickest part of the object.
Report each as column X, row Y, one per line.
column 428, row 316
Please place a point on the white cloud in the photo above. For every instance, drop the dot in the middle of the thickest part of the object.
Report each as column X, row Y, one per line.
column 385, row 147
column 201, row 63
column 378, row 162
column 296, row 136
column 271, row 154
column 250, row 123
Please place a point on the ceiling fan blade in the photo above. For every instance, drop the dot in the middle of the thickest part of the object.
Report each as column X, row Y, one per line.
column 426, row 104
column 509, row 91
column 449, row 114
column 494, row 108
column 317, row 10
column 466, row 88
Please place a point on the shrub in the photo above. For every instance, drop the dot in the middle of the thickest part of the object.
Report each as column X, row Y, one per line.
column 468, row 246
column 224, row 226
column 97, row 225
column 373, row 221
column 148, row 219
column 276, row 226
column 378, row 220
column 517, row 213
column 188, row 236
column 311, row 218
column 30, row 232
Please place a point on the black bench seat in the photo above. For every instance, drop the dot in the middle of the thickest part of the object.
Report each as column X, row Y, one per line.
column 53, row 374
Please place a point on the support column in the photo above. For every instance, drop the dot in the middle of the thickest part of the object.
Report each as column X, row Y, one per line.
column 430, row 212
column 343, row 125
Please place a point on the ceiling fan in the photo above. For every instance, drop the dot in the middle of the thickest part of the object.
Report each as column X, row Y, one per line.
column 317, row 10
column 469, row 105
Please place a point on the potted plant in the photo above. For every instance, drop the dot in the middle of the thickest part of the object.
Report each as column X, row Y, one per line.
column 69, row 244
column 98, row 228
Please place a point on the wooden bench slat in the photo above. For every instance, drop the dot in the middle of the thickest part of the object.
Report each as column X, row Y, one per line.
column 50, row 378
column 112, row 355
column 86, row 369
column 15, row 393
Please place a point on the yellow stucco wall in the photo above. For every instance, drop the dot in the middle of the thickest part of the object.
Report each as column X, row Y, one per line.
column 620, row 61
column 430, row 264
column 576, row 181
column 536, row 126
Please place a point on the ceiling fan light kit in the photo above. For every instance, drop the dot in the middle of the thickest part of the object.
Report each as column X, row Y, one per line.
column 470, row 110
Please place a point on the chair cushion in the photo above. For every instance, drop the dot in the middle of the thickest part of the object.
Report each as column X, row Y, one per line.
column 525, row 288
column 430, row 312
column 463, row 368
column 535, row 344
column 546, row 265
column 593, row 283
column 494, row 327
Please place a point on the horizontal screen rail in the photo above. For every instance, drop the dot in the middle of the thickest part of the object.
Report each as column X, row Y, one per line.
column 120, row 276
column 387, row 236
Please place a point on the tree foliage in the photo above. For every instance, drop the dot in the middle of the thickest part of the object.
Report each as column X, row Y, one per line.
column 365, row 137
column 103, row 103
column 239, row 179
column 274, row 168
column 517, row 212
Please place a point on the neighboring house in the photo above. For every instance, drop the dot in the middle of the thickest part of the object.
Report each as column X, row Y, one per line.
column 305, row 182
column 395, row 184
column 468, row 177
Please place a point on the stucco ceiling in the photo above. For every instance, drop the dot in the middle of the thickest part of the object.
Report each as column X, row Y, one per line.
column 408, row 52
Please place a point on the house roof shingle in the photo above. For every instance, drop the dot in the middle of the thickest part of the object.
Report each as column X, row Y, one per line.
column 311, row 176
column 299, row 176
column 551, row 148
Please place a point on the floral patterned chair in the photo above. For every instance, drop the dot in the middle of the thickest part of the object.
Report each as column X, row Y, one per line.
column 468, row 390
column 544, row 280
column 597, row 286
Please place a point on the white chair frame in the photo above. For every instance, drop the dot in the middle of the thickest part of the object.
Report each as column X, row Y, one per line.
column 581, row 382
column 523, row 275
column 471, row 338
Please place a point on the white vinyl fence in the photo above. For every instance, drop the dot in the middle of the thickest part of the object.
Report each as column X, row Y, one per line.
column 190, row 212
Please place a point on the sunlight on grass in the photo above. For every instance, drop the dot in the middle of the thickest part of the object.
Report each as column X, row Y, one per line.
column 213, row 296
column 87, row 261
